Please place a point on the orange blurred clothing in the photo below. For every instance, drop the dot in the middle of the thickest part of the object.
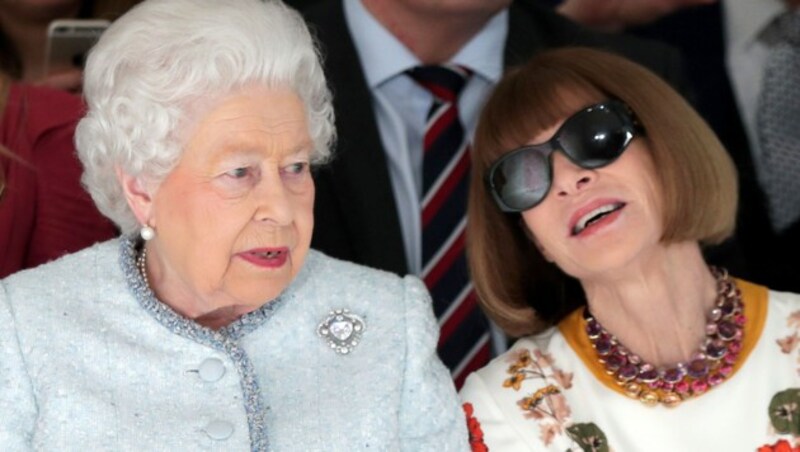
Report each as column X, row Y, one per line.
column 44, row 211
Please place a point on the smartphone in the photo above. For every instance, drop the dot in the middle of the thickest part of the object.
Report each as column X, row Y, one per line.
column 68, row 42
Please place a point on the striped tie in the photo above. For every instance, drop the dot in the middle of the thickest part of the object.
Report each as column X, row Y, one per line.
column 464, row 340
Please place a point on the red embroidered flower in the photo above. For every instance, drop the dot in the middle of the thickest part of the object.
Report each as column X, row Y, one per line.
column 780, row 446
column 475, row 432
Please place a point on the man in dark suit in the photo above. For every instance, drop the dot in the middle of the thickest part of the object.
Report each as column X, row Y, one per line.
column 700, row 33
column 362, row 213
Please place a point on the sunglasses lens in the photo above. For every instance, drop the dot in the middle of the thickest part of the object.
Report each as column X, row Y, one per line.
column 591, row 138
column 521, row 180
column 595, row 138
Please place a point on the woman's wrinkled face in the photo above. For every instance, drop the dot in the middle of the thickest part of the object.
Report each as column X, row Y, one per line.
column 234, row 219
column 598, row 220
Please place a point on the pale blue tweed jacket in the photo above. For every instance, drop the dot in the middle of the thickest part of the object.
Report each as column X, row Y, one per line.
column 89, row 360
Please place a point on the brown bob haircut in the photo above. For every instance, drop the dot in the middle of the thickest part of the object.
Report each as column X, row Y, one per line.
column 517, row 287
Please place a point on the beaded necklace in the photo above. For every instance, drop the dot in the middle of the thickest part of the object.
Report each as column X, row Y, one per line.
column 708, row 367
column 141, row 263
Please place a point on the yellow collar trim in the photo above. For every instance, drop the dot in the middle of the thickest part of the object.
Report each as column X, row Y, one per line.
column 754, row 297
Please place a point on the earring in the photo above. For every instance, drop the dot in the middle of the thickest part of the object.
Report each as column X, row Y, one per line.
column 147, row 233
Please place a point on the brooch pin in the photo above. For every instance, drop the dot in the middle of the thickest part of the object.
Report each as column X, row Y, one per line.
column 342, row 329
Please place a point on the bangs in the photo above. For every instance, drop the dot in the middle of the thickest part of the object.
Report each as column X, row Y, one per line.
column 526, row 103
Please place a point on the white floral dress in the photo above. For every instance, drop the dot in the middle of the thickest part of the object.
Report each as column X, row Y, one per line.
column 549, row 392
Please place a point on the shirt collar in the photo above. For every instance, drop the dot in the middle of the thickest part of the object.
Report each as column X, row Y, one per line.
column 747, row 19
column 383, row 56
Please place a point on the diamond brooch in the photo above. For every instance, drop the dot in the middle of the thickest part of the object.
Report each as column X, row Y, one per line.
column 342, row 330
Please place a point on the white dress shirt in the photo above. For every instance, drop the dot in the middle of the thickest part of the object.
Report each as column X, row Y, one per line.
column 401, row 106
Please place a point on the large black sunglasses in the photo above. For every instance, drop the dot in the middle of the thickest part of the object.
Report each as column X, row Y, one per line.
column 591, row 138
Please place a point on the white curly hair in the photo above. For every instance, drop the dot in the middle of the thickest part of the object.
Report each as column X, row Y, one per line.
column 154, row 66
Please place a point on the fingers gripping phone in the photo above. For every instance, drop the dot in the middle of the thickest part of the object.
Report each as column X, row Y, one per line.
column 68, row 42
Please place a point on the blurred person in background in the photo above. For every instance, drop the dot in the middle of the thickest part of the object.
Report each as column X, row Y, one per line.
column 23, row 36
column 44, row 211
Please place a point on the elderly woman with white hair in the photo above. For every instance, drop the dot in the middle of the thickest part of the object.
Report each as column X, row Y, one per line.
column 210, row 324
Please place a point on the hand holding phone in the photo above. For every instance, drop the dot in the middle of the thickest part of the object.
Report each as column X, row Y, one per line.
column 68, row 42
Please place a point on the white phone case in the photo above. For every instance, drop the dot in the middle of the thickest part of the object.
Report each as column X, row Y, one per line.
column 69, row 40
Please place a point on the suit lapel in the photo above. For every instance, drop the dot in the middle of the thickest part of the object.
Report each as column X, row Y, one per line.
column 358, row 176
column 523, row 35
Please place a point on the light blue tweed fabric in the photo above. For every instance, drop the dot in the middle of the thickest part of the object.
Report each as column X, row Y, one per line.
column 90, row 361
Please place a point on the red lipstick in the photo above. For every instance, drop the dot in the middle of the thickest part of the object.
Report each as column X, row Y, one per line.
column 594, row 215
column 266, row 257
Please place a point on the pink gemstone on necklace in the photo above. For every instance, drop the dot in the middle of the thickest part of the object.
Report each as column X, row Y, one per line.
column 673, row 375
column 727, row 307
column 735, row 347
column 682, row 387
column 593, row 329
column 698, row 368
column 715, row 379
column 716, row 349
column 647, row 373
column 627, row 372
column 603, row 345
column 699, row 386
column 726, row 370
column 615, row 361
column 726, row 330
column 731, row 357
column 740, row 319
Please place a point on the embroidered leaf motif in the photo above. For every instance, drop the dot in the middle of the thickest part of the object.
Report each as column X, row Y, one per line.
column 547, row 402
column 549, row 431
column 514, row 381
column 794, row 319
column 543, row 359
column 589, row 437
column 548, row 406
column 784, row 411
column 563, row 378
column 784, row 408
column 789, row 343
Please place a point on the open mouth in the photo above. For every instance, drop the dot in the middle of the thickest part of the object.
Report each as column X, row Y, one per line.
column 267, row 254
column 266, row 257
column 594, row 216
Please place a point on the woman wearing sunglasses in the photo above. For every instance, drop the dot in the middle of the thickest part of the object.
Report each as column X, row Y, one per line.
column 595, row 185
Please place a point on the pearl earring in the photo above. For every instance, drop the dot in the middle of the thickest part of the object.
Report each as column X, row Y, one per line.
column 147, row 233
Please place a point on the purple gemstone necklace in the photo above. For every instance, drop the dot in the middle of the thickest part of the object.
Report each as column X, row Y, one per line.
column 707, row 368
